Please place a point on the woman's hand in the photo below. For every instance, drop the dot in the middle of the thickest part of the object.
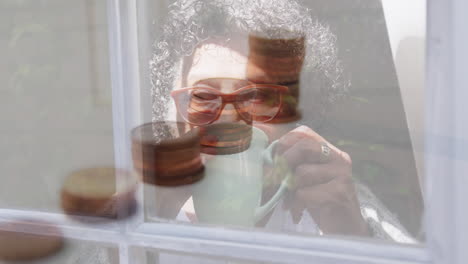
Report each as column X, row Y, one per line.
column 322, row 183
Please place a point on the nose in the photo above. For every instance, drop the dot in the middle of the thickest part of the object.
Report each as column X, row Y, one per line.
column 230, row 98
column 229, row 114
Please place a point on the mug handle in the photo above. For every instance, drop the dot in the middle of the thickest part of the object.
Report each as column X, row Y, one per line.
column 263, row 210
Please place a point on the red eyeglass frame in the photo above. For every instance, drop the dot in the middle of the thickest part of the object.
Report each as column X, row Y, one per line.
column 229, row 98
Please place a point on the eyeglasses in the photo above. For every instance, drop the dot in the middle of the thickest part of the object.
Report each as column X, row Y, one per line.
column 203, row 104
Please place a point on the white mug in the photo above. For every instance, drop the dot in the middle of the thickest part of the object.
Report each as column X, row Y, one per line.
column 231, row 190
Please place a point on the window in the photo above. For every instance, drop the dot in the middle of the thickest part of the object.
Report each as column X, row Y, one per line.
column 393, row 101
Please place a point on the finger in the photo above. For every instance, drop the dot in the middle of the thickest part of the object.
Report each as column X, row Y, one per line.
column 296, row 207
column 314, row 174
column 307, row 151
column 304, row 133
column 334, row 206
column 296, row 135
column 318, row 195
column 315, row 198
column 338, row 191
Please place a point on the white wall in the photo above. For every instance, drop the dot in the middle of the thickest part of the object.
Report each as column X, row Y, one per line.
column 406, row 24
column 55, row 97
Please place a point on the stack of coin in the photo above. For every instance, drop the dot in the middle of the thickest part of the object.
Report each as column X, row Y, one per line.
column 26, row 240
column 164, row 154
column 100, row 192
column 278, row 61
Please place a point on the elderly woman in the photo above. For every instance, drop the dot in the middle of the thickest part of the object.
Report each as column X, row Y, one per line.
column 208, row 39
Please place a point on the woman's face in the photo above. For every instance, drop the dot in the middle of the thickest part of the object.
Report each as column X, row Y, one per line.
column 223, row 68
column 215, row 88
column 220, row 67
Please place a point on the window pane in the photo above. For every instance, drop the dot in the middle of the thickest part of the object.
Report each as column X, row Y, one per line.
column 163, row 257
column 55, row 98
column 349, row 156
column 22, row 242
column 77, row 251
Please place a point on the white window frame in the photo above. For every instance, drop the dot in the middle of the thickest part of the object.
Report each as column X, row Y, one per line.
column 446, row 155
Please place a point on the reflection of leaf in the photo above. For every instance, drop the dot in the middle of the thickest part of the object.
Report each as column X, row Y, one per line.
column 289, row 100
column 376, row 147
column 343, row 142
column 404, row 190
column 20, row 31
column 368, row 172
column 371, row 172
column 24, row 69
column 21, row 73
column 32, row 73
column 350, row 143
column 360, row 99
